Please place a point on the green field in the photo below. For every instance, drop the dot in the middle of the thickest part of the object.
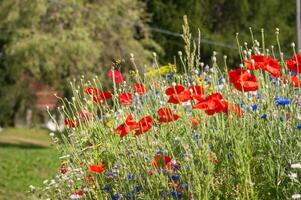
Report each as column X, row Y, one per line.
column 26, row 158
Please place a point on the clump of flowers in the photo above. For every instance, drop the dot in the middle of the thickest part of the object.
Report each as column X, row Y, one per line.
column 204, row 134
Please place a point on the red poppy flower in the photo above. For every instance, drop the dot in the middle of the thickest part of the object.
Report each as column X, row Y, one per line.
column 98, row 168
column 160, row 161
column 196, row 92
column 266, row 63
column 296, row 81
column 259, row 62
column 102, row 96
column 116, row 74
column 242, row 80
column 273, row 67
column 70, row 123
column 166, row 115
column 177, row 94
column 140, row 89
column 91, row 91
column 194, row 122
column 127, row 127
column 214, row 103
column 294, row 63
column 125, row 98
column 235, row 109
column 144, row 124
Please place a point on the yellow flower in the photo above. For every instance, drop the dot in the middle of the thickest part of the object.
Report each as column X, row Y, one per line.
column 151, row 73
column 166, row 69
column 110, row 123
column 134, row 73
column 209, row 88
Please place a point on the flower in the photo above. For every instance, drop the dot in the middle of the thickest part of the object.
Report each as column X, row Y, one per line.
column 242, row 80
column 298, row 126
column 212, row 157
column 194, row 122
column 127, row 127
column 282, row 101
column 293, row 63
column 107, row 188
column 91, row 91
column 296, row 81
column 254, row 107
column 98, row 168
column 273, row 67
column 125, row 98
column 214, row 103
column 144, row 125
column 160, row 161
column 63, row 169
column 235, row 109
column 268, row 64
column 98, row 97
column 140, row 89
column 101, row 97
column 196, row 92
column 116, row 74
column 255, row 62
column 115, row 196
column 264, row 116
column 177, row 94
column 166, row 115
column 70, row 123
column 77, row 194
column 175, row 177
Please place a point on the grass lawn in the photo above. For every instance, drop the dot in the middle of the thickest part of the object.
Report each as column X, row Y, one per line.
column 26, row 158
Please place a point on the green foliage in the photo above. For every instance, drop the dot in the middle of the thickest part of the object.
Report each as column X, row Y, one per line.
column 55, row 41
column 220, row 20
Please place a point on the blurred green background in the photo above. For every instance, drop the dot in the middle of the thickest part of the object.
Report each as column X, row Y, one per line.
column 44, row 44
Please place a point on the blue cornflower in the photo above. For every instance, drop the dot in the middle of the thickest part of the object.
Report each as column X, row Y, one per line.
column 131, row 177
column 174, row 194
column 170, row 76
column 273, row 79
column 138, row 188
column 293, row 73
column 254, row 107
column 115, row 196
column 298, row 126
column 196, row 136
column 264, row 116
column 282, row 101
column 164, row 194
column 107, row 188
column 175, row 177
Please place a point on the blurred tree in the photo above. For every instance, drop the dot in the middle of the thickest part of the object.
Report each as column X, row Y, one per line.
column 220, row 20
column 53, row 41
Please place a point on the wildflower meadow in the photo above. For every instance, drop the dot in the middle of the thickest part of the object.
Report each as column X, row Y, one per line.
column 187, row 130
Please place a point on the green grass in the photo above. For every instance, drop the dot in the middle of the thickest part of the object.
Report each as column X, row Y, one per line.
column 26, row 158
